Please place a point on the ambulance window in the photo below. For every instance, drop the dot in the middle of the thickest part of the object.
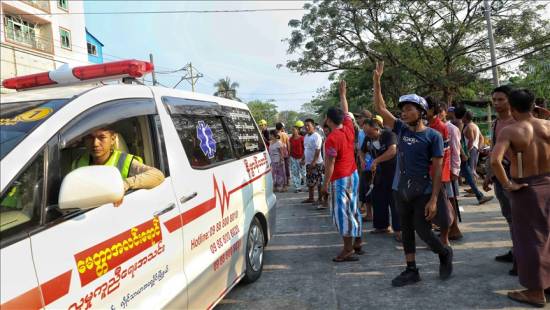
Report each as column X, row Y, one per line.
column 21, row 201
column 132, row 136
column 244, row 134
column 204, row 139
column 129, row 118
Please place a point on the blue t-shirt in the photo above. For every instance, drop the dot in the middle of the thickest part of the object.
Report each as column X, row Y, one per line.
column 416, row 150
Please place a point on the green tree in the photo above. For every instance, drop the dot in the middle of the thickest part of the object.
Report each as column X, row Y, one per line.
column 263, row 110
column 438, row 46
column 226, row 88
column 288, row 118
column 535, row 74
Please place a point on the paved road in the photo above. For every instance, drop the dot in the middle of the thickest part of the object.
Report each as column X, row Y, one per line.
column 299, row 273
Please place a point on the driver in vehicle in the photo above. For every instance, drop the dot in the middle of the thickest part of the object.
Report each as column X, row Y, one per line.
column 101, row 151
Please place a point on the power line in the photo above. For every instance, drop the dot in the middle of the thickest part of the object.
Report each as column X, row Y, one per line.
column 512, row 59
column 47, row 39
column 189, row 76
column 167, row 12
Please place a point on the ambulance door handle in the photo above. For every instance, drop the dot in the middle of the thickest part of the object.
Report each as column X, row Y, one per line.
column 185, row 199
column 161, row 212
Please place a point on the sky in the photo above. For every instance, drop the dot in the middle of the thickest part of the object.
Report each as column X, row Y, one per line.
column 246, row 47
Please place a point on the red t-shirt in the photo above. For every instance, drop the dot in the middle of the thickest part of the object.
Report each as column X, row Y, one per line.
column 438, row 125
column 341, row 145
column 297, row 147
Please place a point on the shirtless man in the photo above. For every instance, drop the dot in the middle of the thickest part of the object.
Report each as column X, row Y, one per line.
column 529, row 190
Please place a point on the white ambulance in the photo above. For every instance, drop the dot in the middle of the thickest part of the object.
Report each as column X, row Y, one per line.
column 182, row 244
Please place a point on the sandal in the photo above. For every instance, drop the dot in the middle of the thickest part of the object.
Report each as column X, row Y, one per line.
column 520, row 296
column 347, row 258
column 358, row 250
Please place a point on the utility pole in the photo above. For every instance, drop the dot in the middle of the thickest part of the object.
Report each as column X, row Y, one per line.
column 189, row 77
column 193, row 81
column 493, row 54
column 153, row 73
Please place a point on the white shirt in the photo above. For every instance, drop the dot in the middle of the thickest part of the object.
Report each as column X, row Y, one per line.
column 312, row 143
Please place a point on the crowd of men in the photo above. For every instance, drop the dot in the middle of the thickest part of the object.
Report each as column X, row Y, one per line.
column 407, row 170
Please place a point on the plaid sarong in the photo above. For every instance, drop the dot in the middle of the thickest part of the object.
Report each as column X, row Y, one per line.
column 344, row 209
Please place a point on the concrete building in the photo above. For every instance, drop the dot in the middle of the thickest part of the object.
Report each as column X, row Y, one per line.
column 95, row 48
column 40, row 35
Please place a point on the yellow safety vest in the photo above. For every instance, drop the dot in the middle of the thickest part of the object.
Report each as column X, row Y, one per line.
column 122, row 161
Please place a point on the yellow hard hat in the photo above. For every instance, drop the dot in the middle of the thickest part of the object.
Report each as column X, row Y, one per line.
column 379, row 119
column 299, row 124
column 262, row 122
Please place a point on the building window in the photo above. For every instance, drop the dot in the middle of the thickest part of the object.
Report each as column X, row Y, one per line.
column 65, row 36
column 92, row 49
column 63, row 4
column 20, row 31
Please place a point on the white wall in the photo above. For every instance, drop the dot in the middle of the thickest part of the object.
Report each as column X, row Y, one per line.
column 78, row 55
column 16, row 60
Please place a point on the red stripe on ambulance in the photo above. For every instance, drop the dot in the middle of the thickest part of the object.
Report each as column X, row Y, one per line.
column 52, row 290
column 190, row 215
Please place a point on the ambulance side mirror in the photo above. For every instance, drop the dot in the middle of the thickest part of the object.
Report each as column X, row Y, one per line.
column 90, row 187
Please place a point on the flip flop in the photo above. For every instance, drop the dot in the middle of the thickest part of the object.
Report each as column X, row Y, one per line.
column 519, row 296
column 348, row 258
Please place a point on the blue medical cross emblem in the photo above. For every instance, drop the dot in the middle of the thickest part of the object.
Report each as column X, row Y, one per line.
column 208, row 144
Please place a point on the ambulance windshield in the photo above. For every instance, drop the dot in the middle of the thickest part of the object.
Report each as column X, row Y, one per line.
column 19, row 119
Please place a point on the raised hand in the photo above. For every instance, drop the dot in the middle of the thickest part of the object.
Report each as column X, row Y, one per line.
column 378, row 71
column 342, row 88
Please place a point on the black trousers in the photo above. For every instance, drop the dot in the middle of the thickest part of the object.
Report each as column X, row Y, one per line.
column 364, row 184
column 383, row 202
column 413, row 219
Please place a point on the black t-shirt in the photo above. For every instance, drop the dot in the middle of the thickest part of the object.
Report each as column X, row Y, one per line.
column 378, row 147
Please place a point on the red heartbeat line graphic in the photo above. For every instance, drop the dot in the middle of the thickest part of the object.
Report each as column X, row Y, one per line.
column 194, row 213
column 224, row 200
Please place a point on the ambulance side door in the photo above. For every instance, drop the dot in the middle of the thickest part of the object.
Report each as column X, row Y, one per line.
column 20, row 206
column 203, row 165
column 111, row 257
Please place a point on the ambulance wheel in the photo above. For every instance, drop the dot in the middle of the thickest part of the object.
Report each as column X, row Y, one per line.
column 255, row 243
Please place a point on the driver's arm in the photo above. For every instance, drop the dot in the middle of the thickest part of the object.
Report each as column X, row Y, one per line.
column 142, row 176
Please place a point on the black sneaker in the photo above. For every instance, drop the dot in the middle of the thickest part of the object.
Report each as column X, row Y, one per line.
column 409, row 276
column 446, row 264
column 505, row 258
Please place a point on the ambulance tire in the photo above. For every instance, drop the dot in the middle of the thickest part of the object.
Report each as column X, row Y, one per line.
column 254, row 252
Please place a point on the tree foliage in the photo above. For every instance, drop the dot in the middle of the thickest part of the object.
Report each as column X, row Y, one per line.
column 435, row 47
column 263, row 110
column 226, row 88
column 290, row 117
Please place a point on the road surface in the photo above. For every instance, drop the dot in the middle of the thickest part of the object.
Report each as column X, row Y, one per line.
column 299, row 272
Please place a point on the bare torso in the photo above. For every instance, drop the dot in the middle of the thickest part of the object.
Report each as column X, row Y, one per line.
column 531, row 138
